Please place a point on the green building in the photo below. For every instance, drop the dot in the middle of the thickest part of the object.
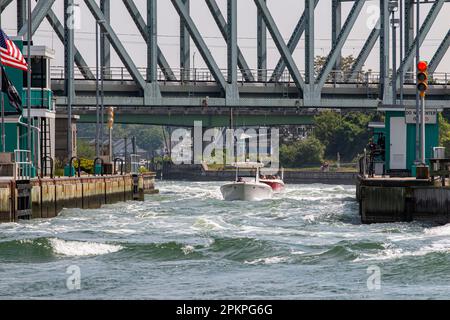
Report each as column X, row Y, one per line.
column 399, row 132
column 42, row 111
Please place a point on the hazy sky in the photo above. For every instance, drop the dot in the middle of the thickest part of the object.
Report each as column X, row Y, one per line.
column 285, row 12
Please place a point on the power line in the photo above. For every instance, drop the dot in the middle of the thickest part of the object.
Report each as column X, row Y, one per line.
column 205, row 37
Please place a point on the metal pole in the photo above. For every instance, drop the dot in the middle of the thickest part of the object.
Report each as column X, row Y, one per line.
column 133, row 141
column 402, row 77
column 2, row 100
column 111, row 156
column 102, row 104
column 97, row 123
column 417, row 93
column 3, row 111
column 29, row 38
column 423, row 129
column 394, row 60
column 69, row 34
column 126, row 154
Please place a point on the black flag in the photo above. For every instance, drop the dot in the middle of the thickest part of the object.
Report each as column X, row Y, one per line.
column 11, row 91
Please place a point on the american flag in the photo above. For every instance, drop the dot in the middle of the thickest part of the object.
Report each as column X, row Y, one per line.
column 10, row 54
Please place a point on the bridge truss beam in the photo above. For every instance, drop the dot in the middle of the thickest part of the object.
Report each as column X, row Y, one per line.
column 79, row 60
column 424, row 29
column 142, row 27
column 309, row 90
column 116, row 43
column 440, row 53
column 200, row 43
column 281, row 45
column 223, row 27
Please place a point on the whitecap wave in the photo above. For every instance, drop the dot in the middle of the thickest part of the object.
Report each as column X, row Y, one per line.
column 79, row 249
column 297, row 253
column 203, row 223
column 397, row 253
column 187, row 249
column 270, row 260
column 438, row 231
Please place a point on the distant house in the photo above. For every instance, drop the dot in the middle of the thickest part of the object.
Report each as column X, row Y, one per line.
column 119, row 148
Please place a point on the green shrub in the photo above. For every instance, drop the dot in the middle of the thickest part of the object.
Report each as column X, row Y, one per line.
column 309, row 151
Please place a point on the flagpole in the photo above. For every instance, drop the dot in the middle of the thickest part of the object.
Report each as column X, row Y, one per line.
column 2, row 98
column 3, row 110
column 29, row 81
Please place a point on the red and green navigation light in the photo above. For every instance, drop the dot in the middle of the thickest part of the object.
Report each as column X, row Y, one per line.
column 422, row 77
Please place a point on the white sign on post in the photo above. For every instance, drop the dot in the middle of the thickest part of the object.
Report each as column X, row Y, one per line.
column 430, row 116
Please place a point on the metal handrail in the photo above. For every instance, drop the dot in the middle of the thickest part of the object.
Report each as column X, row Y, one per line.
column 201, row 75
column 22, row 159
column 121, row 165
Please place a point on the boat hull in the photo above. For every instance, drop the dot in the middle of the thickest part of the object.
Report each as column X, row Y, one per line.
column 276, row 185
column 241, row 191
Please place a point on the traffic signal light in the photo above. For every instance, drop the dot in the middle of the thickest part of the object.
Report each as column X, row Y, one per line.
column 422, row 77
column 110, row 117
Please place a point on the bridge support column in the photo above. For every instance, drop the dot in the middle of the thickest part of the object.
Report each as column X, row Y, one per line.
column 262, row 48
column 409, row 32
column 21, row 13
column 310, row 94
column 185, row 47
column 232, row 92
column 336, row 24
column 152, row 93
column 385, row 93
column 105, row 6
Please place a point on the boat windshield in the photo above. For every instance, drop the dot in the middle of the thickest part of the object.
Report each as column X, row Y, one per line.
column 245, row 175
column 245, row 179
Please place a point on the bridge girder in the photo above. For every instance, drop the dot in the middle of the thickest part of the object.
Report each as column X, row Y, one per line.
column 311, row 90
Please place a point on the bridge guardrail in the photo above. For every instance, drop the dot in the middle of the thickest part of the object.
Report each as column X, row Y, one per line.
column 202, row 75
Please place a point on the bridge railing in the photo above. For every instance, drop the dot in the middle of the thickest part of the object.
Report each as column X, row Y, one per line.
column 203, row 75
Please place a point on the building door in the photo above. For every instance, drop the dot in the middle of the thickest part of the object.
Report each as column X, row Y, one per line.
column 398, row 143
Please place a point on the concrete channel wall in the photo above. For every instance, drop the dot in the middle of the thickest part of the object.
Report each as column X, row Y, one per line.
column 385, row 202
column 50, row 196
column 195, row 173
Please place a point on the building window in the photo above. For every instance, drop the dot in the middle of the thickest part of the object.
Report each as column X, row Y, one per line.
column 38, row 73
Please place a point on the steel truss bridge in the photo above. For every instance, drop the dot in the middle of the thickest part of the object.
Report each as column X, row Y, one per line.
column 161, row 94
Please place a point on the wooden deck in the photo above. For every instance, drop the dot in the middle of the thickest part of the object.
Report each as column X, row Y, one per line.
column 386, row 181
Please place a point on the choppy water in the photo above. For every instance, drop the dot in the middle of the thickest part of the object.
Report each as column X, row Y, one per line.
column 188, row 243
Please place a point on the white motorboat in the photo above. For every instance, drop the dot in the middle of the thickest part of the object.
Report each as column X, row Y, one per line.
column 247, row 188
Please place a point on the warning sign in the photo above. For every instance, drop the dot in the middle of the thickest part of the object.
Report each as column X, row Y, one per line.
column 430, row 116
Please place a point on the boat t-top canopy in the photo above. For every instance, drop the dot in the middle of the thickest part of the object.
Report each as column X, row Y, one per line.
column 248, row 165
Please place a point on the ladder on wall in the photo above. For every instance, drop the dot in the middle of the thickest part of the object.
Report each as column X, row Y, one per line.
column 46, row 147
